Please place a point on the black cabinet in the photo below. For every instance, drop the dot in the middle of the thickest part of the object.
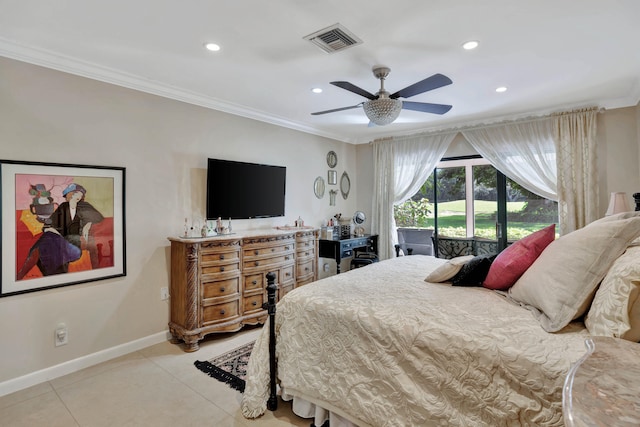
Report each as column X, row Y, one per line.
column 339, row 248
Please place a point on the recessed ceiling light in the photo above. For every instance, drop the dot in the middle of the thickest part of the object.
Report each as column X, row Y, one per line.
column 212, row 47
column 501, row 89
column 471, row 44
column 316, row 90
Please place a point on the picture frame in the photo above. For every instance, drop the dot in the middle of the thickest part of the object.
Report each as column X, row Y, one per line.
column 61, row 225
column 332, row 177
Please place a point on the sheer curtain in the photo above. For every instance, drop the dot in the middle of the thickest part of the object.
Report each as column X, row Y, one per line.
column 523, row 151
column 401, row 166
column 577, row 174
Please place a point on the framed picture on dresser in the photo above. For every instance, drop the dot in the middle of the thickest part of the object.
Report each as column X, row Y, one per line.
column 61, row 225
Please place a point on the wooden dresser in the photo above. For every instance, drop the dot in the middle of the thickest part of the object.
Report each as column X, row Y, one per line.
column 218, row 284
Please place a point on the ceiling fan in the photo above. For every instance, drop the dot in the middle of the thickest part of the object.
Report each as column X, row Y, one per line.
column 383, row 108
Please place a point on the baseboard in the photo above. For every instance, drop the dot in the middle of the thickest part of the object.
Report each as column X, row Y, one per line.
column 37, row 377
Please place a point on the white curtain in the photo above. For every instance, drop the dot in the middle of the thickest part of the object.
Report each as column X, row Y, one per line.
column 577, row 174
column 523, row 151
column 401, row 166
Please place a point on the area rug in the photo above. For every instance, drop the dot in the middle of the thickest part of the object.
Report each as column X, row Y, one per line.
column 230, row 368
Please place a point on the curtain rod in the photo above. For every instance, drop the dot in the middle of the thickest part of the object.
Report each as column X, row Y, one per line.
column 528, row 119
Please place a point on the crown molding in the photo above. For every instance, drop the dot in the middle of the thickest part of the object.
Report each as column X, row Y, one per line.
column 67, row 64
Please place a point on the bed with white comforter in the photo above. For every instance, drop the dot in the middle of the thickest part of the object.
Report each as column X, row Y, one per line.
column 379, row 346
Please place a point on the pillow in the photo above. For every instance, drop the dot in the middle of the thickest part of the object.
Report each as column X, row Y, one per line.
column 512, row 262
column 560, row 284
column 616, row 217
column 615, row 310
column 474, row 271
column 447, row 270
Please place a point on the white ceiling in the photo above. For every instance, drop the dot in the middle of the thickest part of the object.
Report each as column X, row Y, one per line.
column 552, row 55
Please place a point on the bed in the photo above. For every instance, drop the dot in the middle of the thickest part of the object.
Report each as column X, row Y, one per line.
column 380, row 346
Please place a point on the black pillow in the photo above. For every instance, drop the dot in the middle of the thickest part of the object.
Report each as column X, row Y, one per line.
column 473, row 272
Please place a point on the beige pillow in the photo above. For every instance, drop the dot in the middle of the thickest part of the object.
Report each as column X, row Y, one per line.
column 560, row 284
column 615, row 310
column 447, row 270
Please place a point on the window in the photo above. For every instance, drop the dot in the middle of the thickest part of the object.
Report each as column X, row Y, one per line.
column 467, row 197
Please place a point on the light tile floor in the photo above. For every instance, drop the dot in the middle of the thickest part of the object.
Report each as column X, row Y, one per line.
column 156, row 386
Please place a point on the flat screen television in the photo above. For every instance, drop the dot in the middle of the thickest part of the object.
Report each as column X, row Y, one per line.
column 240, row 190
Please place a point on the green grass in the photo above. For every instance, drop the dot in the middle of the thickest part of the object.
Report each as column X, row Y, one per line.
column 481, row 206
column 452, row 220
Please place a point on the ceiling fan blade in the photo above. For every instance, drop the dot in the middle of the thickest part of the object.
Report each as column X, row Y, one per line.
column 430, row 83
column 426, row 107
column 355, row 89
column 336, row 109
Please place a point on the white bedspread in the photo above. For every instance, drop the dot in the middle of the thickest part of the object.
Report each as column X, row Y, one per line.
column 384, row 348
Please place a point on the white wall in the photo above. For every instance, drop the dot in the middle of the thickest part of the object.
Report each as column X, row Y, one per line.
column 49, row 116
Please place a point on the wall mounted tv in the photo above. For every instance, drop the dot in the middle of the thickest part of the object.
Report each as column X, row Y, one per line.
column 240, row 190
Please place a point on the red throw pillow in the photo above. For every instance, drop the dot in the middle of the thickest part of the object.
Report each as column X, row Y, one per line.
column 511, row 263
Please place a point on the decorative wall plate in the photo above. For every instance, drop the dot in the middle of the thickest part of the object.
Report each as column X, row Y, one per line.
column 332, row 159
column 345, row 185
column 318, row 187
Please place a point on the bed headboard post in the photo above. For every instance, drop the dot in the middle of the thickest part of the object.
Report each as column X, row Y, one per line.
column 636, row 197
column 270, row 306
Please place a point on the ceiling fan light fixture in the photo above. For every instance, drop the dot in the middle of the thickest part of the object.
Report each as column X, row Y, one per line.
column 382, row 111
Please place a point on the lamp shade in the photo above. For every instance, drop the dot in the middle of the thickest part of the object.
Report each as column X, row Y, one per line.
column 382, row 111
column 618, row 203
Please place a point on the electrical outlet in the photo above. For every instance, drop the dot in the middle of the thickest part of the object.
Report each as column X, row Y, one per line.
column 164, row 293
column 61, row 335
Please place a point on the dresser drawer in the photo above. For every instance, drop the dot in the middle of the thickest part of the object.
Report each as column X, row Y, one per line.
column 252, row 303
column 305, row 268
column 266, row 262
column 220, row 312
column 284, row 290
column 220, row 268
column 270, row 250
column 220, row 288
column 304, row 281
column 215, row 256
column 254, row 281
column 286, row 275
column 309, row 252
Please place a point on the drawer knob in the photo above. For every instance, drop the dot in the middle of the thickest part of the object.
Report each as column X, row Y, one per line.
column 257, row 263
column 255, row 282
column 221, row 256
column 306, row 269
column 288, row 274
column 286, row 258
column 254, row 303
column 222, row 312
column 286, row 248
column 306, row 253
column 222, row 289
column 257, row 252
column 221, row 268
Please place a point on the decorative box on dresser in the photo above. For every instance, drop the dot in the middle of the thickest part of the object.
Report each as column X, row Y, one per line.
column 218, row 284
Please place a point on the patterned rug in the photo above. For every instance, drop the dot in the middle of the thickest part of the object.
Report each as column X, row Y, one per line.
column 230, row 368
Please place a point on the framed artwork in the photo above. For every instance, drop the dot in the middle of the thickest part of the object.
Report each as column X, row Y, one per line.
column 61, row 225
column 332, row 177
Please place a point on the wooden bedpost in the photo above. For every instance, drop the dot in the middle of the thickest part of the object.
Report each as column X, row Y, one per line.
column 270, row 306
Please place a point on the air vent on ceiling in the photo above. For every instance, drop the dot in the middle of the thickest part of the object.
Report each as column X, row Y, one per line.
column 333, row 38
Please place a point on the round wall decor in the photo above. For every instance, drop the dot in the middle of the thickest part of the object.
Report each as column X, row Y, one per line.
column 332, row 159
